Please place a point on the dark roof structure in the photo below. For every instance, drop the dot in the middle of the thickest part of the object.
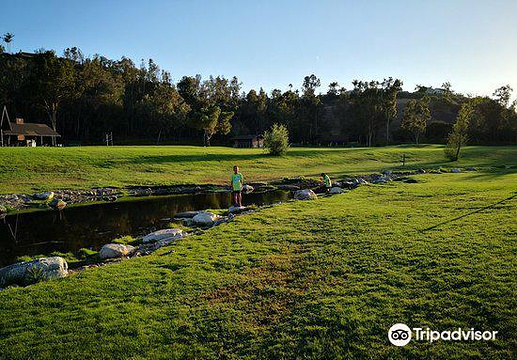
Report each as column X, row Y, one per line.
column 30, row 129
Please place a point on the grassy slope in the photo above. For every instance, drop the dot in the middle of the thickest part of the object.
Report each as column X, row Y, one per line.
column 321, row 279
column 31, row 169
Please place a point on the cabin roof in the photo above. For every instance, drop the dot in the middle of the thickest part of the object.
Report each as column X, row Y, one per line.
column 30, row 129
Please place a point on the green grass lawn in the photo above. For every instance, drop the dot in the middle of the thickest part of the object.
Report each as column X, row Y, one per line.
column 35, row 169
column 313, row 280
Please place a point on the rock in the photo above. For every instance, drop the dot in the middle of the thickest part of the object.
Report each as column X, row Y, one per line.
column 29, row 272
column 247, row 189
column 381, row 180
column 186, row 214
column 109, row 251
column 471, row 168
column 205, row 219
column 387, row 172
column 455, row 170
column 335, row 190
column 288, row 187
column 57, row 204
column 49, row 195
column 349, row 184
column 3, row 210
column 164, row 234
column 361, row 181
column 421, row 171
column 306, row 194
column 237, row 209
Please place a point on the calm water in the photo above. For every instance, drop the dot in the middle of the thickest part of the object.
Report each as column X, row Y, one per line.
column 91, row 226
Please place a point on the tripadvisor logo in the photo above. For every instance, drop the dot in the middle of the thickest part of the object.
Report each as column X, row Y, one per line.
column 401, row 334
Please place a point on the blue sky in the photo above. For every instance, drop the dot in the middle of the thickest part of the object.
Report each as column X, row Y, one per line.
column 269, row 44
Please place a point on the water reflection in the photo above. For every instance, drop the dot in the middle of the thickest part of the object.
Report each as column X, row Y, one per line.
column 92, row 226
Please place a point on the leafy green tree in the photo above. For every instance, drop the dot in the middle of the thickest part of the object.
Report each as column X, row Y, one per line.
column 276, row 140
column 390, row 88
column 53, row 81
column 416, row 116
column 503, row 95
column 458, row 136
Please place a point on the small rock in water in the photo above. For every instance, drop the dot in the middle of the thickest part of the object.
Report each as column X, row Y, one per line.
column 247, row 189
column 109, row 251
column 335, row 190
column 29, row 272
column 48, row 195
column 306, row 194
column 455, row 170
column 164, row 234
column 205, row 219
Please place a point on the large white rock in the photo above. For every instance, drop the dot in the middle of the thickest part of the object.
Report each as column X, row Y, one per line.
column 30, row 271
column 306, row 194
column 335, row 190
column 109, row 251
column 205, row 219
column 247, row 189
column 164, row 234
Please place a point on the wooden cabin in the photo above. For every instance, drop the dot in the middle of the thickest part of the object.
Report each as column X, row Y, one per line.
column 248, row 141
column 19, row 133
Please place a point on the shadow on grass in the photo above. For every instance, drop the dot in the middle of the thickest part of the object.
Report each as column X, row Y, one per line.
column 468, row 214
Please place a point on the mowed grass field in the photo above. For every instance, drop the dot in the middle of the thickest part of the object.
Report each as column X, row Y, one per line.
column 38, row 169
column 321, row 279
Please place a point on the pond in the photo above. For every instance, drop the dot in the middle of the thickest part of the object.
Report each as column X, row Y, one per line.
column 91, row 226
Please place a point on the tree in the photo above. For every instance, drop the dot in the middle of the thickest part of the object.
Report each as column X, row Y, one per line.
column 390, row 88
column 53, row 80
column 308, row 127
column 8, row 38
column 503, row 95
column 458, row 136
column 365, row 110
column 416, row 116
column 276, row 140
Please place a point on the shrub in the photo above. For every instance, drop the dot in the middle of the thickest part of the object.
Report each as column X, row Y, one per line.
column 276, row 140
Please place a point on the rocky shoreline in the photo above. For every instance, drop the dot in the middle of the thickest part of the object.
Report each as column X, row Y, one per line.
column 58, row 199
column 28, row 272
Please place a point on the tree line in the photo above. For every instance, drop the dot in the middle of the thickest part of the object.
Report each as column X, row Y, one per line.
column 85, row 97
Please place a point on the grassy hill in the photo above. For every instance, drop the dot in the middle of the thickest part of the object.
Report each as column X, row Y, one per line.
column 34, row 169
column 316, row 280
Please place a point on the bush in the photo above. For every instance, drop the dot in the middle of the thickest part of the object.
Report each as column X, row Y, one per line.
column 276, row 140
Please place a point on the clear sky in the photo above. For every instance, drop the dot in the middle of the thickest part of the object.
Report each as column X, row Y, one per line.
column 270, row 44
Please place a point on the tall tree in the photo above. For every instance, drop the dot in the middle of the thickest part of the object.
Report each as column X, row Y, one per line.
column 390, row 88
column 416, row 116
column 8, row 39
column 458, row 136
column 53, row 81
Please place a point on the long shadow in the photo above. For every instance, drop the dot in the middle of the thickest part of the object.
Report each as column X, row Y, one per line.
column 468, row 214
column 160, row 159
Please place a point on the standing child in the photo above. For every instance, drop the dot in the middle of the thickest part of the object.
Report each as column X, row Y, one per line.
column 237, row 183
column 328, row 182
